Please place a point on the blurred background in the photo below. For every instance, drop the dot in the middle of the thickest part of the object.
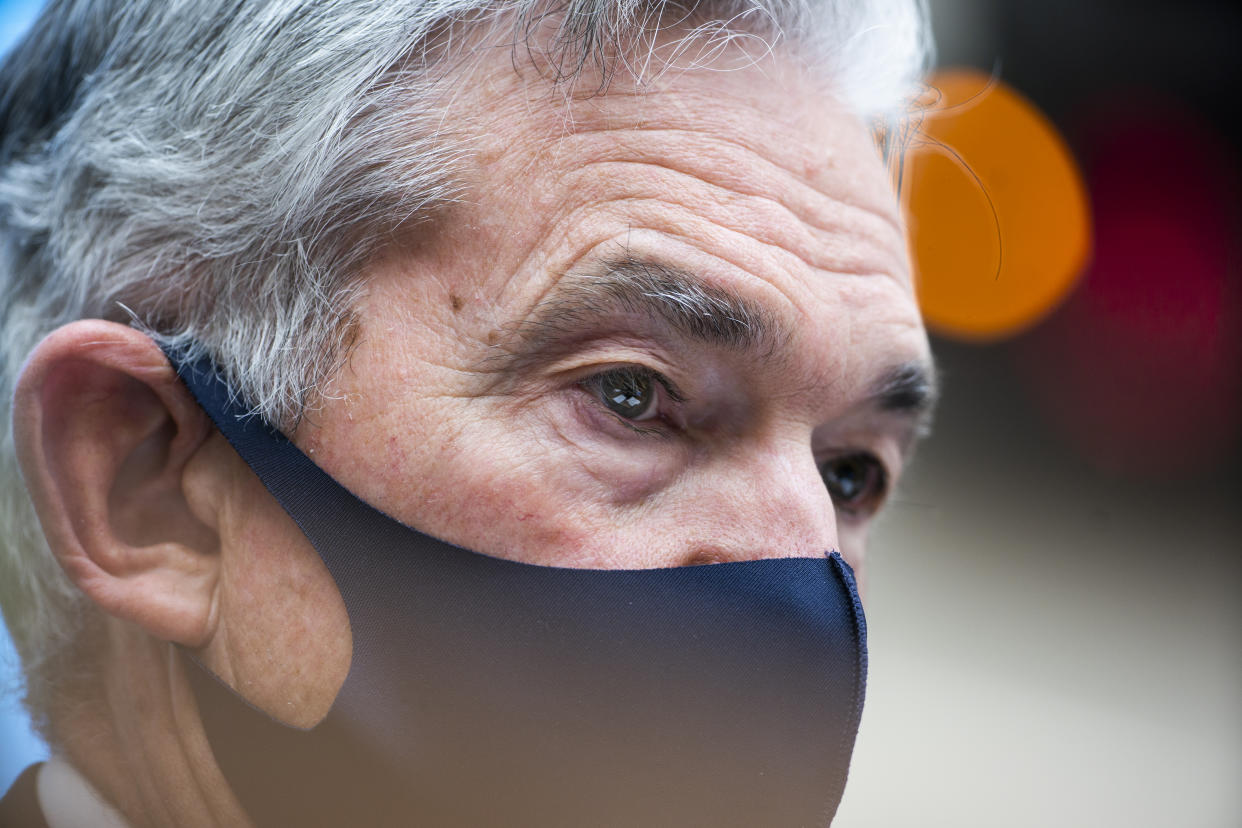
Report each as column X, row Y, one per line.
column 1055, row 594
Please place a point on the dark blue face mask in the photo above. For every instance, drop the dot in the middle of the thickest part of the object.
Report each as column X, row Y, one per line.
column 485, row 692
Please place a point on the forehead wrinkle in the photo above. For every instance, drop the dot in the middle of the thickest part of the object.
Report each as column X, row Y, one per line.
column 829, row 236
column 777, row 259
column 763, row 174
column 820, row 221
column 839, row 250
column 703, row 116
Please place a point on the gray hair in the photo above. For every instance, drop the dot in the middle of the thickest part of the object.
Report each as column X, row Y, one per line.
column 220, row 172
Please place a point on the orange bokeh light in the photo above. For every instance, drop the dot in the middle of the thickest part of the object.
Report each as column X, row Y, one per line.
column 999, row 221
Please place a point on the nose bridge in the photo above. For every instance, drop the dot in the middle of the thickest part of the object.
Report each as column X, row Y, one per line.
column 766, row 500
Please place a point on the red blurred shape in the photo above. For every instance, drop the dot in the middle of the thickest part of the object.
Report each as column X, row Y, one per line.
column 1142, row 368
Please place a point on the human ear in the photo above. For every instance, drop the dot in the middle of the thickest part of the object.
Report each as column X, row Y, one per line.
column 105, row 431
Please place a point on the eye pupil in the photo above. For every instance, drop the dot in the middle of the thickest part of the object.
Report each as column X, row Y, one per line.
column 848, row 478
column 626, row 393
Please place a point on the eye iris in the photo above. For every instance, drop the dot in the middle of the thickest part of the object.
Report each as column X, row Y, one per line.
column 855, row 482
column 626, row 393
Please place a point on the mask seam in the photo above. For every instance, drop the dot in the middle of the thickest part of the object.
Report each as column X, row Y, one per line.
column 849, row 732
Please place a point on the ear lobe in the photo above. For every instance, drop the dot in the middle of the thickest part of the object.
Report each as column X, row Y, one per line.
column 104, row 432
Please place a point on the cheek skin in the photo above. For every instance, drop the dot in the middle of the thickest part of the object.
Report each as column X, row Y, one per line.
column 625, row 467
column 540, row 480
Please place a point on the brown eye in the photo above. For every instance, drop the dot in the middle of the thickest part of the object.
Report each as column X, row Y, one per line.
column 628, row 393
column 857, row 482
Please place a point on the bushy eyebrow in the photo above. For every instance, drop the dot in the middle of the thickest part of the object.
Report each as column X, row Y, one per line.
column 911, row 390
column 631, row 287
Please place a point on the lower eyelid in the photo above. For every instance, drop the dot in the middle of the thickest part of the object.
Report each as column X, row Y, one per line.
column 598, row 418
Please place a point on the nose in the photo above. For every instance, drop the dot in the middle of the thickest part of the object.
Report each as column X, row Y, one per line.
column 761, row 501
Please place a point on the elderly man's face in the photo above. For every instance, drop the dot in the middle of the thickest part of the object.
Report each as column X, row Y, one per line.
column 666, row 326
column 658, row 332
